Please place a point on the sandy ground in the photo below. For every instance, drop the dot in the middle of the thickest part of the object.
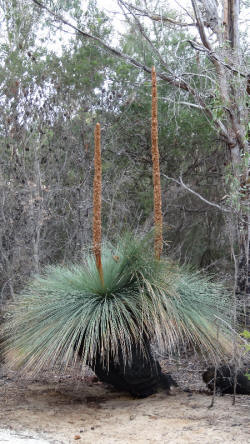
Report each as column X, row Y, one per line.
column 72, row 408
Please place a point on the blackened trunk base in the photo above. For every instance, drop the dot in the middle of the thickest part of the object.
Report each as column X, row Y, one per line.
column 141, row 377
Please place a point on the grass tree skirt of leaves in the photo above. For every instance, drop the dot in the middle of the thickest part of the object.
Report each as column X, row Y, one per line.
column 67, row 311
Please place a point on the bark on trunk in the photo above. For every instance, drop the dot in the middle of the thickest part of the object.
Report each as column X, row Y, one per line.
column 141, row 377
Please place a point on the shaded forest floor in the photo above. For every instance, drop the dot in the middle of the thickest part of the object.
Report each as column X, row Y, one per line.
column 71, row 408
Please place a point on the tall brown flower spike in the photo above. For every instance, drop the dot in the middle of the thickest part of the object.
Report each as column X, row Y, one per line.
column 97, row 202
column 156, row 171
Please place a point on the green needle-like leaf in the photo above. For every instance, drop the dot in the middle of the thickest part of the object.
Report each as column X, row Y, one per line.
column 68, row 307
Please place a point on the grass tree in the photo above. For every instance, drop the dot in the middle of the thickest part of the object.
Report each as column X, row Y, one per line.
column 108, row 308
column 68, row 308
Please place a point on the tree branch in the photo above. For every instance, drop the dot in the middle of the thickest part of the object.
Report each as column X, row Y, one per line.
column 157, row 17
column 193, row 105
column 181, row 183
column 200, row 26
column 214, row 57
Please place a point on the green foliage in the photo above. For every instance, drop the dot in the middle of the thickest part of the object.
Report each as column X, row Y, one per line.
column 246, row 335
column 67, row 306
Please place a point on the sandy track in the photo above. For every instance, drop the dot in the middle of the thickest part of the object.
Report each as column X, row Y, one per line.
column 73, row 409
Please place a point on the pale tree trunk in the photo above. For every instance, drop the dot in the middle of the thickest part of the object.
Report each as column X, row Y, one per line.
column 231, row 23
